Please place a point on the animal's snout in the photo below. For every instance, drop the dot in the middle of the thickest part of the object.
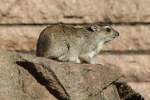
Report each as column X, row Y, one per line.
column 116, row 33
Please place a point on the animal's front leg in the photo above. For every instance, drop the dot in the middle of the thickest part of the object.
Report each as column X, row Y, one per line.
column 87, row 57
column 73, row 55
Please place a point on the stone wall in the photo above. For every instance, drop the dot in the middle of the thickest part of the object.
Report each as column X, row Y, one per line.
column 21, row 22
column 74, row 11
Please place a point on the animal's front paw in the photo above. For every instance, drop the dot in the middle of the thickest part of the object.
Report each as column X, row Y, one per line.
column 74, row 60
column 96, row 62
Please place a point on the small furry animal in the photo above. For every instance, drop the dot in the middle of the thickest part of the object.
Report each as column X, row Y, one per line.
column 77, row 45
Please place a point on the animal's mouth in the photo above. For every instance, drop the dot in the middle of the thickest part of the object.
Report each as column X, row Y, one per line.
column 112, row 37
column 107, row 41
column 116, row 35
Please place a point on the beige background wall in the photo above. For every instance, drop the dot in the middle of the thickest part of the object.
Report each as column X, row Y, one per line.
column 21, row 22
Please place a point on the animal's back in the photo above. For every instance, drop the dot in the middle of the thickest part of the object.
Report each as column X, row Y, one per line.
column 50, row 42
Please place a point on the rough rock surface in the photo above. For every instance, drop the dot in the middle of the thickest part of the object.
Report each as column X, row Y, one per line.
column 73, row 11
column 20, row 38
column 141, row 87
column 26, row 77
column 79, row 82
column 84, row 82
column 135, row 67
column 16, row 82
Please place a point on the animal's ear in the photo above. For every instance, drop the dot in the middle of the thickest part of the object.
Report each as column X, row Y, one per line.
column 92, row 28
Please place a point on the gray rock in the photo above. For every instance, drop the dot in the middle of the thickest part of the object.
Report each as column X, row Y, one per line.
column 73, row 11
column 27, row 77
column 16, row 83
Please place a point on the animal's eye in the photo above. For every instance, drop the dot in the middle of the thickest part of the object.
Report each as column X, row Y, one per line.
column 93, row 28
column 108, row 29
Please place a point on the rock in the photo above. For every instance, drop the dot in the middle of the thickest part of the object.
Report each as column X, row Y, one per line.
column 135, row 67
column 26, row 77
column 22, row 38
column 141, row 87
column 74, row 11
column 17, row 83
column 126, row 92
column 109, row 92
column 77, row 82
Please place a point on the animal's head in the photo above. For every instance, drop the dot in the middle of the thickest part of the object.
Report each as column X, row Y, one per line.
column 104, row 32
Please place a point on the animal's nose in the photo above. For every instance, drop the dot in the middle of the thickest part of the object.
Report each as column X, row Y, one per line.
column 117, row 34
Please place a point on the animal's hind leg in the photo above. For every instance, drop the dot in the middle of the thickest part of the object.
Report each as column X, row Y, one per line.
column 63, row 57
column 58, row 52
column 73, row 55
